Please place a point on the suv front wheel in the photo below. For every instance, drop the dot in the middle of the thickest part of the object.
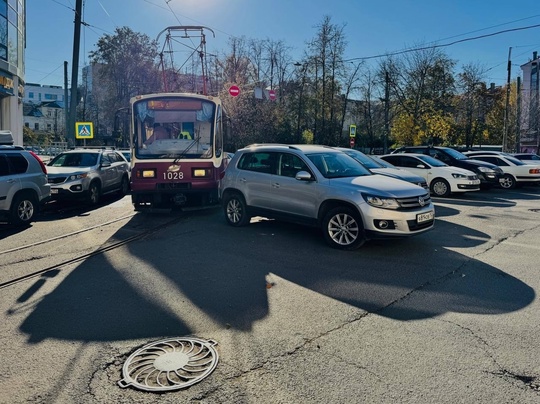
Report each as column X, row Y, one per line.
column 23, row 209
column 343, row 229
column 94, row 193
column 235, row 210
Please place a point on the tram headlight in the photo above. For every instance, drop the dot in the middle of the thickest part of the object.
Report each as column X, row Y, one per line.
column 146, row 173
column 201, row 173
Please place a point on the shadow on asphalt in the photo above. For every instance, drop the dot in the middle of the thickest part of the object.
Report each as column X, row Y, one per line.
column 222, row 271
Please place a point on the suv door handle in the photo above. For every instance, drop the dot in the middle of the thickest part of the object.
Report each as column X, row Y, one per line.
column 275, row 185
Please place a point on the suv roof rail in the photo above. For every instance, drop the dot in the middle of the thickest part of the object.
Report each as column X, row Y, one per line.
column 95, row 148
column 10, row 147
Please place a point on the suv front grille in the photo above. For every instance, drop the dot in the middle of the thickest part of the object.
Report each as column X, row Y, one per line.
column 56, row 180
column 414, row 202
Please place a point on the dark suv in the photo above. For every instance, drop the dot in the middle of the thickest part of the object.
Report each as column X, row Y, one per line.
column 23, row 184
column 489, row 174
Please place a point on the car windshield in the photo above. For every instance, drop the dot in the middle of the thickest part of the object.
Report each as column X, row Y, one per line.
column 514, row 160
column 455, row 154
column 432, row 161
column 528, row 157
column 382, row 162
column 74, row 160
column 337, row 165
column 362, row 158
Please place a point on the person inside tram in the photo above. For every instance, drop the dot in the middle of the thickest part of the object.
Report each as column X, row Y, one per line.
column 185, row 134
column 159, row 132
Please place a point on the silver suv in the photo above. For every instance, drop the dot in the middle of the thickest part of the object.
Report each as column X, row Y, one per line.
column 23, row 184
column 322, row 186
column 88, row 174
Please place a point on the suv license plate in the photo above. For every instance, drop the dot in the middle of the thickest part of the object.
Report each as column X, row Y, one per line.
column 424, row 217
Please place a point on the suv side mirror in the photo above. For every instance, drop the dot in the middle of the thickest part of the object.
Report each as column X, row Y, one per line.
column 303, row 176
column 105, row 164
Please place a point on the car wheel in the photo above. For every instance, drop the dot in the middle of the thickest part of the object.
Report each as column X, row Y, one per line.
column 343, row 229
column 94, row 193
column 440, row 187
column 23, row 209
column 508, row 182
column 124, row 186
column 235, row 210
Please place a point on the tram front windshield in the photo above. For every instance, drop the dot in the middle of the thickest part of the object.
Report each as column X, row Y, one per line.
column 176, row 128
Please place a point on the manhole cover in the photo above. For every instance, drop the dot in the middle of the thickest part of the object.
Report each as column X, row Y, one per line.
column 170, row 364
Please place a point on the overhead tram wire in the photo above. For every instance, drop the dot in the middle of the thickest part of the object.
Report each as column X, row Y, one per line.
column 441, row 45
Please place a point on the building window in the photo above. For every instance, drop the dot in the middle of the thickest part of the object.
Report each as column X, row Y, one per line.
column 49, row 127
column 36, row 126
column 27, row 124
column 30, row 94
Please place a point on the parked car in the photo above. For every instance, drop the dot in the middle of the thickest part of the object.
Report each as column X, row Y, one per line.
column 377, row 168
column 324, row 187
column 23, row 184
column 516, row 172
column 441, row 178
column 126, row 153
column 473, row 153
column 528, row 158
column 88, row 174
column 489, row 174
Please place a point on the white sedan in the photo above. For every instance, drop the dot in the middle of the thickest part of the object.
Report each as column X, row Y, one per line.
column 515, row 171
column 528, row 158
column 442, row 179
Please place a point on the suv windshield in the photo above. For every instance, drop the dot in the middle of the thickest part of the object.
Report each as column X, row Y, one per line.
column 337, row 165
column 74, row 160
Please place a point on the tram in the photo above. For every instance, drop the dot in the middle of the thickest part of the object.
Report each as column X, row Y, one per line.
column 177, row 138
column 177, row 156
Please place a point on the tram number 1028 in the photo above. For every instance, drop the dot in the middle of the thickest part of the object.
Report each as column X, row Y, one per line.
column 173, row 175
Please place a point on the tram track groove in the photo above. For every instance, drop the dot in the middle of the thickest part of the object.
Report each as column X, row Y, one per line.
column 66, row 235
column 101, row 250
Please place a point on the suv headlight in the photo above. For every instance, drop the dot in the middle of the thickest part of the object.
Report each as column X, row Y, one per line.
column 78, row 176
column 462, row 176
column 381, row 202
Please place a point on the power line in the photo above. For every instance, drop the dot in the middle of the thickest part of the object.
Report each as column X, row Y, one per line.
column 442, row 45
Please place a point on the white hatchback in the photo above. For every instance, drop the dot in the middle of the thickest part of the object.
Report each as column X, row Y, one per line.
column 442, row 179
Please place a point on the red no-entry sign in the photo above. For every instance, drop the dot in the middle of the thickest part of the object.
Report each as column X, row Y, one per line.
column 351, row 142
column 234, row 91
column 272, row 95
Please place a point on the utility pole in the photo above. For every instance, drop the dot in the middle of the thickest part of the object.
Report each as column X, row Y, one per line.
column 66, row 98
column 70, row 130
column 507, row 105
column 518, row 116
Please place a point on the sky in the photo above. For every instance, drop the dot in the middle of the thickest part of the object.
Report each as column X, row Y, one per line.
column 487, row 33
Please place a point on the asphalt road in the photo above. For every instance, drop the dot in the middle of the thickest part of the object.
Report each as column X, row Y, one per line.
column 448, row 316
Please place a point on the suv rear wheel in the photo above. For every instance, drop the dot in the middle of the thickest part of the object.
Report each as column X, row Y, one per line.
column 235, row 210
column 343, row 229
column 23, row 209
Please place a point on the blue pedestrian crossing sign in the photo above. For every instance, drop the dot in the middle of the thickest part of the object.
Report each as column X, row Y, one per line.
column 84, row 130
